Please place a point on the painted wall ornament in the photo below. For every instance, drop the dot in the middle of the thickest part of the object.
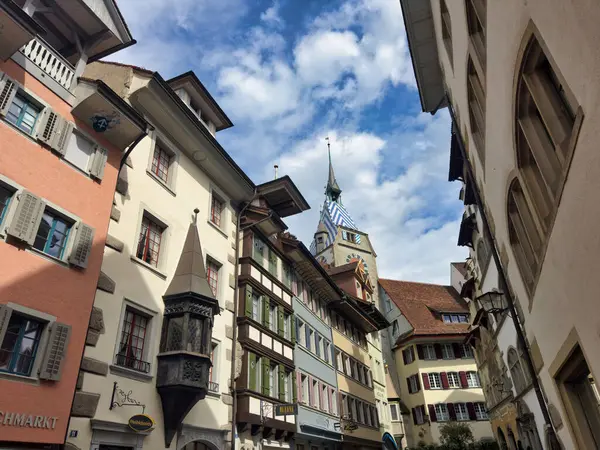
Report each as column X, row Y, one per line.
column 103, row 120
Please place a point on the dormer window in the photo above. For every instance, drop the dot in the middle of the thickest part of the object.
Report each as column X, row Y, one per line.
column 455, row 318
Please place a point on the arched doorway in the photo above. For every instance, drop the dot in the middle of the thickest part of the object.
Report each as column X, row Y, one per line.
column 527, row 428
column 502, row 439
column 198, row 445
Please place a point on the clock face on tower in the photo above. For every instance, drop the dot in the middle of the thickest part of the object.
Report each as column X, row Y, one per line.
column 355, row 257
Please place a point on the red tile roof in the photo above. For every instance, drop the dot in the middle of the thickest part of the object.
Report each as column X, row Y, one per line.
column 419, row 302
column 343, row 268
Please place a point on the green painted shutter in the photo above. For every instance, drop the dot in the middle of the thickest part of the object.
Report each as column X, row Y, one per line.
column 295, row 386
column 248, row 300
column 252, row 372
column 281, row 382
column 281, row 318
column 272, row 262
column 265, row 304
column 266, row 367
column 293, row 328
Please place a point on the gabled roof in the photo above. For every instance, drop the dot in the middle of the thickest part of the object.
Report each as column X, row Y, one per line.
column 419, row 303
column 343, row 268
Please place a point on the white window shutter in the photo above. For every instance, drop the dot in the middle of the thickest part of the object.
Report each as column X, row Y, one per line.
column 5, row 313
column 56, row 350
column 82, row 247
column 63, row 132
column 28, row 215
column 8, row 90
column 48, row 125
column 98, row 162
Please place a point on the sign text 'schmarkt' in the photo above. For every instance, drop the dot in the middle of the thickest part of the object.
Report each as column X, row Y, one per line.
column 11, row 419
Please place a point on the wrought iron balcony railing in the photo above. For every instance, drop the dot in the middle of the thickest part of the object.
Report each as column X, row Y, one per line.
column 132, row 363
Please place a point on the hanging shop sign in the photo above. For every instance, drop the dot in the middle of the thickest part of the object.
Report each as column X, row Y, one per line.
column 141, row 422
column 286, row 410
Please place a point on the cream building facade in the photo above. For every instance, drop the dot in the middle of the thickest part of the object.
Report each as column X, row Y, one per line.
column 523, row 93
column 178, row 179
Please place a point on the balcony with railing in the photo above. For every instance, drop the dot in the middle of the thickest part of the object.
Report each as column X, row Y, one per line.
column 213, row 387
column 49, row 62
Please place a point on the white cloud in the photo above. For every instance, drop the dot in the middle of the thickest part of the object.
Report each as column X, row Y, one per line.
column 271, row 16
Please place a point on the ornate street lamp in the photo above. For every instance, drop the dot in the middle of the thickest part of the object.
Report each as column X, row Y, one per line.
column 493, row 302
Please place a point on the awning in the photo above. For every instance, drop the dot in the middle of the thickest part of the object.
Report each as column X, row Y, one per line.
column 469, row 196
column 467, row 227
column 99, row 107
column 16, row 28
column 456, row 160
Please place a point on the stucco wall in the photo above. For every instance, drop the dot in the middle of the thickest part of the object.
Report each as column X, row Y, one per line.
column 567, row 286
column 37, row 282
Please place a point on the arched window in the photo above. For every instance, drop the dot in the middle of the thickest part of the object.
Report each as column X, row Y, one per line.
column 546, row 125
column 517, row 374
column 476, row 100
column 525, row 234
column 477, row 24
column 446, row 30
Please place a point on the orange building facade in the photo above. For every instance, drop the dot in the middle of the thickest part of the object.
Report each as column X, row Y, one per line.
column 62, row 140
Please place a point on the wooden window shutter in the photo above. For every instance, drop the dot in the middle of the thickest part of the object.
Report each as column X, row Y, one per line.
column 50, row 122
column 412, row 352
column 418, row 383
column 438, row 351
column 98, row 162
column 266, row 368
column 404, row 357
column 420, row 351
column 8, row 90
column 58, row 342
column 408, row 385
column 451, row 411
column 27, row 218
column 62, row 134
column 463, row 379
column 82, row 247
column 414, row 414
column 471, row 410
column 425, row 381
column 265, row 304
column 458, row 353
column 248, row 304
column 444, row 378
column 432, row 414
column 297, row 391
column 281, row 382
column 281, row 318
column 252, row 372
column 310, row 391
column 293, row 328
column 5, row 313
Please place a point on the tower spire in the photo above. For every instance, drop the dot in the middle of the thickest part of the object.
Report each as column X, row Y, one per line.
column 332, row 191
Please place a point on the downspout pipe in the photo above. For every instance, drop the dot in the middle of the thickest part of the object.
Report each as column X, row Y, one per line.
column 235, row 314
column 552, row 438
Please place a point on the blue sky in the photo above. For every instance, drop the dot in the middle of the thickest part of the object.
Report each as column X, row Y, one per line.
column 288, row 74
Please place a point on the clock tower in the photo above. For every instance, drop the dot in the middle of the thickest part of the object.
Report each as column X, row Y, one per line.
column 338, row 239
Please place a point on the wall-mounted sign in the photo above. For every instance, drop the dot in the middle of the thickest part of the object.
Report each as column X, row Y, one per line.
column 13, row 419
column 286, row 410
column 141, row 422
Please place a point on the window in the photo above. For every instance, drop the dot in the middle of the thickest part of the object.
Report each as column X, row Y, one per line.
column 212, row 370
column 161, row 160
column 133, row 339
column 334, row 407
column 23, row 113
column 455, row 318
column 256, row 307
column 394, row 412
column 476, row 22
column 216, row 210
column 310, row 342
column 347, row 236
column 324, row 398
column 148, row 249
column 318, row 344
column 316, row 395
column 272, row 262
column 460, row 409
column 305, row 389
column 447, row 351
column 301, row 333
column 287, row 276
column 52, row 235
column 518, row 375
column 326, row 350
column 476, row 102
column 78, row 151
column 419, row 415
column 408, row 355
column 5, row 197
column 287, row 387
column 338, row 359
column 20, row 345
column 273, row 377
column 481, row 411
column 453, row 380
column 259, row 250
column 413, row 384
column 429, row 352
column 434, row 381
column 272, row 316
column 467, row 351
column 286, row 326
column 353, row 411
column 547, row 123
column 473, row 380
column 579, row 394
column 441, row 412
column 212, row 274
column 446, row 30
